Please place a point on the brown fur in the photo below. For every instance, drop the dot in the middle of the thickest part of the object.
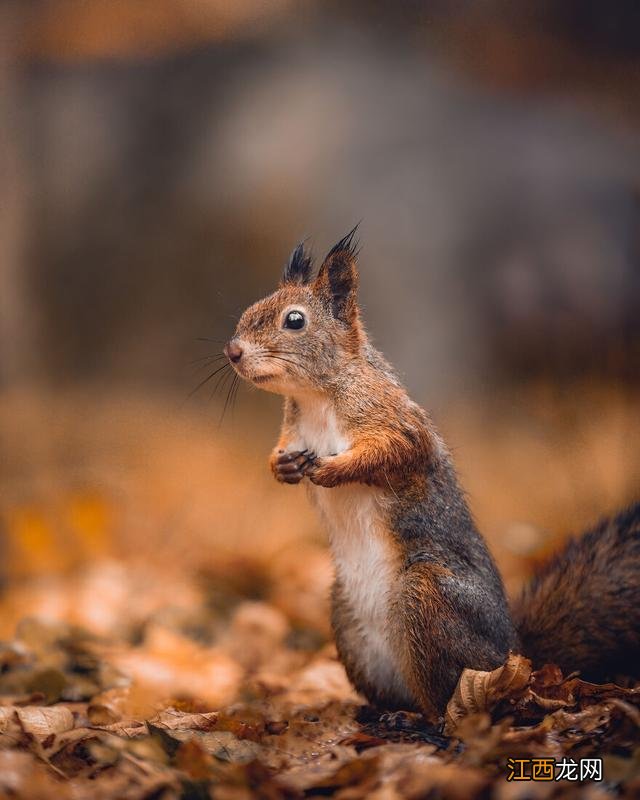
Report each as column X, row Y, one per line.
column 441, row 594
column 582, row 610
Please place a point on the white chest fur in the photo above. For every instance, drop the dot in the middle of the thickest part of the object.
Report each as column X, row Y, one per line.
column 364, row 560
column 319, row 429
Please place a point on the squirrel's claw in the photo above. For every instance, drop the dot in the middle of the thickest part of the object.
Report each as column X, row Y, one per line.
column 291, row 467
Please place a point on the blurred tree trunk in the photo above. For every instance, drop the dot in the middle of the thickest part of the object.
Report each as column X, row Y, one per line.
column 17, row 354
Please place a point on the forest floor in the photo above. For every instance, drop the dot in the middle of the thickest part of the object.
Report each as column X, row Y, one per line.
column 165, row 624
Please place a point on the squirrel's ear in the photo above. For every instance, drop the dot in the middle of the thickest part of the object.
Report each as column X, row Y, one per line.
column 337, row 281
column 298, row 267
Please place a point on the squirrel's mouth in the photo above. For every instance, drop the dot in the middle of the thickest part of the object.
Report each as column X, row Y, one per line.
column 242, row 371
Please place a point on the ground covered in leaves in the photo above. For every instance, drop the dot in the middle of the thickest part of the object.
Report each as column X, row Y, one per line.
column 240, row 701
column 165, row 634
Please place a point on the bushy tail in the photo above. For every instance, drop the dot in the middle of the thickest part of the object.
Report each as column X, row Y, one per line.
column 582, row 609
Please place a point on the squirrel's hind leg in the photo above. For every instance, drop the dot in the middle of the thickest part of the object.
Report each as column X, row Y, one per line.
column 434, row 637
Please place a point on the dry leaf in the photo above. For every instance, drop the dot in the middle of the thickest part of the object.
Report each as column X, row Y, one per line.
column 132, row 702
column 231, row 671
column 442, row 780
column 479, row 691
column 101, row 715
column 173, row 720
column 353, row 772
column 192, row 758
column 222, row 744
column 40, row 721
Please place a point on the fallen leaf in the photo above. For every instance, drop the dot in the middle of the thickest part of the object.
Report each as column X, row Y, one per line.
column 443, row 780
column 173, row 720
column 40, row 721
column 479, row 691
column 353, row 772
column 100, row 715
column 223, row 745
column 192, row 758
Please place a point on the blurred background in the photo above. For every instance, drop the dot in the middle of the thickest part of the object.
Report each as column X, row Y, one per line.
column 159, row 160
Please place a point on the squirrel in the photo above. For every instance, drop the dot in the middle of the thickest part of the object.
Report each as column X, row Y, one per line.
column 417, row 597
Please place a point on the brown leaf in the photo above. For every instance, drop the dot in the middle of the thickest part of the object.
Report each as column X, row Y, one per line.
column 584, row 721
column 132, row 702
column 548, row 675
column 193, row 759
column 100, row 715
column 248, row 726
column 173, row 720
column 550, row 691
column 40, row 721
column 349, row 774
column 223, row 745
column 630, row 711
column 443, row 780
column 546, row 703
column 480, row 691
column 23, row 776
column 126, row 729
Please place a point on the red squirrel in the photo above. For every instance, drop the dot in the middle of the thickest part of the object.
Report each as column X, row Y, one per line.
column 417, row 597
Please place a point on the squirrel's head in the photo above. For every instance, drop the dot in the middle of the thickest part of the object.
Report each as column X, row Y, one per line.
column 296, row 339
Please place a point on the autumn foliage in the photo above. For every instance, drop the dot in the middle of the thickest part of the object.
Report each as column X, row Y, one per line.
column 165, row 622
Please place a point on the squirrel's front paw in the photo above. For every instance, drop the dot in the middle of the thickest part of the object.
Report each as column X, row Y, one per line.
column 291, row 467
column 323, row 472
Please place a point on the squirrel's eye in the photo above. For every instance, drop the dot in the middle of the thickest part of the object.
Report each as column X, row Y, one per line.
column 294, row 320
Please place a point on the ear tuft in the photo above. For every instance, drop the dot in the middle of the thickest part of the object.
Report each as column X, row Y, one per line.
column 337, row 281
column 299, row 266
column 349, row 246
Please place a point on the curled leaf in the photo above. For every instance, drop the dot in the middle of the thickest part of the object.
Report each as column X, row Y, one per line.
column 479, row 691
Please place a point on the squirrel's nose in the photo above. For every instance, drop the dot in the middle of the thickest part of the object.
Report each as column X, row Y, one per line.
column 233, row 351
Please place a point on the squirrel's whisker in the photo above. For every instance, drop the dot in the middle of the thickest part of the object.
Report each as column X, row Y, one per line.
column 229, row 396
column 215, row 362
column 212, row 357
column 222, row 381
column 208, row 378
column 284, row 353
column 234, row 393
column 290, row 361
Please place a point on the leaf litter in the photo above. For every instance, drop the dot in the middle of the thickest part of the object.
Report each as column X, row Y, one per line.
column 244, row 703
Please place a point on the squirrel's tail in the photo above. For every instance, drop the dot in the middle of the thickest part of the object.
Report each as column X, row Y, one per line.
column 582, row 610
